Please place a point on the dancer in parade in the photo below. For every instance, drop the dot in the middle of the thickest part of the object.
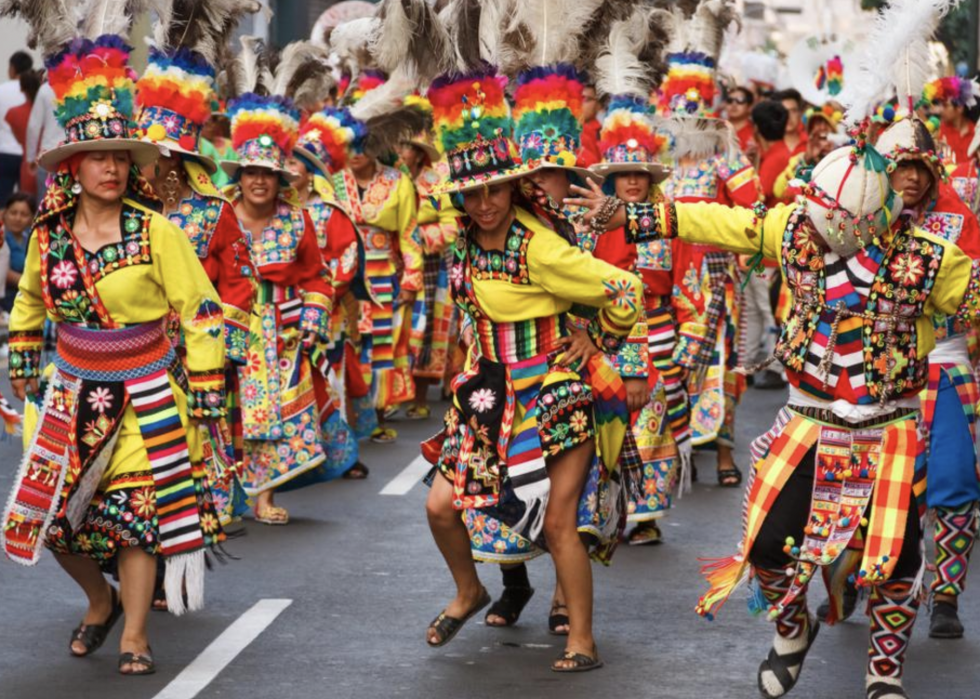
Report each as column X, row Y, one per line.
column 434, row 310
column 292, row 308
column 956, row 100
column 841, row 456
column 630, row 149
column 127, row 484
column 531, row 410
column 707, row 166
column 174, row 98
column 314, row 158
column 383, row 204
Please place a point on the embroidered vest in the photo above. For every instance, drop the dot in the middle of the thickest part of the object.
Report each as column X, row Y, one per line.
column 947, row 226
column 198, row 217
column 896, row 298
column 277, row 244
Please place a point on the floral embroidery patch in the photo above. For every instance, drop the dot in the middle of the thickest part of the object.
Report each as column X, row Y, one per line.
column 482, row 400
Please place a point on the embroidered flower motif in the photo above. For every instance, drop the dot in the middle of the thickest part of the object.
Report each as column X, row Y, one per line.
column 908, row 268
column 64, row 274
column 100, row 398
column 578, row 421
column 620, row 293
column 482, row 400
column 144, row 502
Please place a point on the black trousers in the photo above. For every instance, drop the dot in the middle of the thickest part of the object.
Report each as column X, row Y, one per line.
column 9, row 175
column 788, row 517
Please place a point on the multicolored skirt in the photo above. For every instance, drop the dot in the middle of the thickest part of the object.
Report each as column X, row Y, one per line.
column 865, row 474
column 658, row 453
column 507, row 420
column 434, row 316
column 279, row 409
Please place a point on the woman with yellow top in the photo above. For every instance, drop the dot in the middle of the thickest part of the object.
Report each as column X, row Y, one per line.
column 122, row 485
column 528, row 414
column 433, row 315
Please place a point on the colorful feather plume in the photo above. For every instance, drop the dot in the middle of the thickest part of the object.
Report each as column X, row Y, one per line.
column 895, row 59
column 627, row 133
column 958, row 91
column 469, row 108
column 329, row 134
column 202, row 26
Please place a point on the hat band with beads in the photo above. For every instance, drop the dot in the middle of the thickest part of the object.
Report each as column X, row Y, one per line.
column 160, row 125
column 481, row 158
column 262, row 151
column 102, row 121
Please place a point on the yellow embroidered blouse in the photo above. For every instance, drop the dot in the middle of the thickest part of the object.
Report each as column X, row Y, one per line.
column 153, row 269
column 540, row 276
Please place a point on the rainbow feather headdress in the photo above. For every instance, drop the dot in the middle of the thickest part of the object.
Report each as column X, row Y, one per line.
column 958, row 91
column 265, row 120
column 89, row 74
column 326, row 137
column 176, row 93
column 628, row 140
column 473, row 126
column 689, row 99
column 548, row 116
column 175, row 99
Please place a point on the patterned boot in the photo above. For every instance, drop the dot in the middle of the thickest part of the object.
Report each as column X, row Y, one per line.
column 956, row 530
column 795, row 631
column 893, row 608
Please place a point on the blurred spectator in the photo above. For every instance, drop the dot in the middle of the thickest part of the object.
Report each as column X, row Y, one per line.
column 43, row 133
column 17, row 117
column 771, row 119
column 216, row 144
column 11, row 153
column 792, row 100
column 956, row 128
column 18, row 213
column 738, row 107
column 590, row 154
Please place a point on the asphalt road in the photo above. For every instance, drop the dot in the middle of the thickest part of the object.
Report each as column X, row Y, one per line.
column 359, row 579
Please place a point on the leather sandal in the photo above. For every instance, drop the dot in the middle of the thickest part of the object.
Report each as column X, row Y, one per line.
column 555, row 620
column 273, row 516
column 92, row 636
column 510, row 605
column 580, row 662
column 448, row 626
column 144, row 659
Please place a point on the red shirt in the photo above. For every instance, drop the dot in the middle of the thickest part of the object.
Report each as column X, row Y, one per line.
column 773, row 162
column 745, row 136
column 589, row 154
column 957, row 142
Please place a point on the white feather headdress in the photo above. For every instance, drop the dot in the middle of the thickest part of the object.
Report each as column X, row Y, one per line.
column 895, row 59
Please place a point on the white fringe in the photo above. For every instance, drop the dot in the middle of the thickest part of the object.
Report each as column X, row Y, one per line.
column 185, row 571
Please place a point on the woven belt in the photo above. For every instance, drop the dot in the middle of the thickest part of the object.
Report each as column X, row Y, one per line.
column 828, row 417
column 115, row 354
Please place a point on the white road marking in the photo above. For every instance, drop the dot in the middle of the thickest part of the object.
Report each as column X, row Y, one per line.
column 209, row 664
column 410, row 476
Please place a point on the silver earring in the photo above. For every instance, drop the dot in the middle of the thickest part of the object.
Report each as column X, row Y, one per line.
column 76, row 188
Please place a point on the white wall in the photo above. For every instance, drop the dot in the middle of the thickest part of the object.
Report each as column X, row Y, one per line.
column 13, row 37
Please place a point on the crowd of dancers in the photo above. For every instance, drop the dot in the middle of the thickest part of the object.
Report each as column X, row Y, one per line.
column 560, row 214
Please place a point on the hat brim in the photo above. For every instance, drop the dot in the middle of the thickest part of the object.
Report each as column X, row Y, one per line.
column 231, row 168
column 430, row 150
column 206, row 162
column 471, row 184
column 142, row 153
column 658, row 173
column 313, row 160
column 586, row 174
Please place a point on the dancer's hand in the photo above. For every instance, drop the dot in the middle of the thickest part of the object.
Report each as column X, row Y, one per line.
column 578, row 347
column 24, row 388
column 592, row 198
column 406, row 297
column 637, row 393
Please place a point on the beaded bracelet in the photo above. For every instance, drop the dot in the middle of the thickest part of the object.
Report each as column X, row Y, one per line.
column 610, row 206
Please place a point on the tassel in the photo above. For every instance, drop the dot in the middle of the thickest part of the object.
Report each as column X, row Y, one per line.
column 185, row 571
column 724, row 575
column 757, row 601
